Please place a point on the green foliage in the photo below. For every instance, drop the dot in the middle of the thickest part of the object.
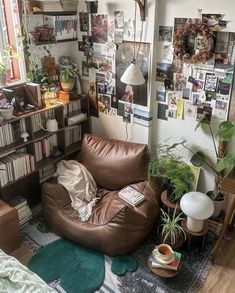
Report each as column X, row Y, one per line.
column 173, row 170
column 68, row 73
column 171, row 229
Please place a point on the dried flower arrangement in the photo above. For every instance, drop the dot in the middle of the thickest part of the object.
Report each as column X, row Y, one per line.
column 192, row 30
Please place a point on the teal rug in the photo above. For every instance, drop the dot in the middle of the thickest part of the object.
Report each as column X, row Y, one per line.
column 79, row 269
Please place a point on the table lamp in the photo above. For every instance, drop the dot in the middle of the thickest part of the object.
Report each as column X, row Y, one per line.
column 197, row 207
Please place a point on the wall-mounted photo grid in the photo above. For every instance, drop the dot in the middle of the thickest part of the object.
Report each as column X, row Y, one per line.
column 108, row 48
column 191, row 89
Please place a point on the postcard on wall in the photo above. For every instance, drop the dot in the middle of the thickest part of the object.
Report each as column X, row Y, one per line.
column 198, row 98
column 223, row 88
column 165, row 33
column 128, row 30
column 120, row 110
column 113, row 112
column 119, row 19
column 186, row 93
column 219, row 114
column 99, row 28
column 163, row 71
column 166, row 51
column 162, row 111
column 84, row 21
column 160, row 96
column 179, row 81
column 209, row 65
column 92, row 6
column 210, row 82
column 128, row 94
column 197, row 85
column 189, row 109
column 93, row 100
column 204, row 110
column 111, row 30
column 169, row 84
column 180, row 109
column 118, row 36
column 221, row 105
column 222, row 42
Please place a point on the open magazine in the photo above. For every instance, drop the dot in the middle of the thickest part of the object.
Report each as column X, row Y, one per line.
column 131, row 196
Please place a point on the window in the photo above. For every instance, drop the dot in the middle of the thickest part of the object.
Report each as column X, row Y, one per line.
column 10, row 37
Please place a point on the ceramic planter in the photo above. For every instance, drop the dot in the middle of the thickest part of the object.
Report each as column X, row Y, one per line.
column 68, row 86
column 6, row 113
column 218, row 207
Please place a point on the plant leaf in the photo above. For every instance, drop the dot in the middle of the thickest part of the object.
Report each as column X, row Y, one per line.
column 226, row 131
column 225, row 162
column 198, row 159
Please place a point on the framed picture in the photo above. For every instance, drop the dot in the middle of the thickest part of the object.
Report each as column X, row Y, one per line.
column 124, row 56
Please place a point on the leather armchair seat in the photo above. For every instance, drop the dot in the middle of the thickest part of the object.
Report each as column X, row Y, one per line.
column 115, row 227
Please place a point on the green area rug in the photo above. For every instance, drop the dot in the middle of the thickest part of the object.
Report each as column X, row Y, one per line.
column 79, row 269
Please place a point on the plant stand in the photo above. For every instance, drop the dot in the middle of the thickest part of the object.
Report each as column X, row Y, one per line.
column 163, row 272
column 192, row 234
column 167, row 203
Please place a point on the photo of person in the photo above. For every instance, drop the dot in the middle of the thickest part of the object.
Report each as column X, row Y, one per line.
column 197, row 85
column 83, row 21
column 119, row 19
column 99, row 28
column 128, row 94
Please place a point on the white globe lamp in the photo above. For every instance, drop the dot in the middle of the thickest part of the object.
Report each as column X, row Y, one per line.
column 197, row 207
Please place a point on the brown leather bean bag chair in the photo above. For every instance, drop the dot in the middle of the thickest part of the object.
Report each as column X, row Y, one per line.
column 115, row 227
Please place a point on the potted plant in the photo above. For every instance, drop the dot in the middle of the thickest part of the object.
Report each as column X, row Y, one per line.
column 177, row 176
column 170, row 230
column 6, row 107
column 68, row 77
column 223, row 159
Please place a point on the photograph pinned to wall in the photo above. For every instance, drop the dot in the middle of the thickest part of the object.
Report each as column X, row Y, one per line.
column 104, row 63
column 189, row 109
column 114, row 102
column 127, row 113
column 81, row 47
column 179, row 82
column 228, row 78
column 84, row 21
column 111, row 30
column 169, row 84
column 197, row 85
column 92, row 6
column 191, row 79
column 85, row 68
column 208, row 65
column 200, row 74
column 219, row 114
column 99, row 28
column 101, row 88
column 198, row 98
column 223, row 88
column 204, row 110
column 119, row 19
column 180, row 109
column 128, row 30
column 214, row 20
column 172, row 98
column 104, row 103
column 113, row 112
column 109, row 78
column 120, row 109
column 93, row 101
column 162, row 111
column 118, row 36
column 221, row 105
column 97, row 50
column 100, row 77
column 221, row 45
column 166, row 51
column 160, row 96
column 210, row 96
column 124, row 55
column 186, row 93
column 210, row 82
column 163, row 71
column 165, row 33
column 110, row 87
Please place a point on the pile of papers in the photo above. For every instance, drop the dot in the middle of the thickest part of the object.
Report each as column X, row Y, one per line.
column 24, row 212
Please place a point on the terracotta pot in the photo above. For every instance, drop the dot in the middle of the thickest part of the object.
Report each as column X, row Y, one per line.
column 68, row 86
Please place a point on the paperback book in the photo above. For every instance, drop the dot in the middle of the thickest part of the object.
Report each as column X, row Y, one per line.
column 174, row 265
column 131, row 196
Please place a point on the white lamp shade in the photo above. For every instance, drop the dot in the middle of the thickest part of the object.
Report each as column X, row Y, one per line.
column 133, row 75
column 197, row 205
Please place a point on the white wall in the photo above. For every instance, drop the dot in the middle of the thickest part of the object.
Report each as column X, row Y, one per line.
column 176, row 129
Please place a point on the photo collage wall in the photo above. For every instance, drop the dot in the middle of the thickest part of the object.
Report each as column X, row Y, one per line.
column 190, row 89
column 108, row 47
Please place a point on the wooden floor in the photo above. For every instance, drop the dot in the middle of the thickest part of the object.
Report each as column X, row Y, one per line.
column 221, row 278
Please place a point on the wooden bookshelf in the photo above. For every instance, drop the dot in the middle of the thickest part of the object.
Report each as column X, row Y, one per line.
column 41, row 147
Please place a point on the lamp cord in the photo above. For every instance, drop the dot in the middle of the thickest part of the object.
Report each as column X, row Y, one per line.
column 135, row 30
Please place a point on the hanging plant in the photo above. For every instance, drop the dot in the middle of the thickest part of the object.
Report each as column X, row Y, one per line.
column 194, row 42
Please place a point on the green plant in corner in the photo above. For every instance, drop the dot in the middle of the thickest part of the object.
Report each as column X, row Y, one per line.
column 176, row 175
column 171, row 231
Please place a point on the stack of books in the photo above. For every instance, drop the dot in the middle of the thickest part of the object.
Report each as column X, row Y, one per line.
column 160, row 264
column 24, row 212
column 51, row 5
column 69, row 5
column 131, row 196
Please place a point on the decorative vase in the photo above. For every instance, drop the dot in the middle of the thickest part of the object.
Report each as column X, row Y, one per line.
column 68, row 86
column 7, row 113
column 218, row 207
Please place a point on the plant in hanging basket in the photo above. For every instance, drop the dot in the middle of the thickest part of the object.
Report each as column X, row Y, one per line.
column 194, row 43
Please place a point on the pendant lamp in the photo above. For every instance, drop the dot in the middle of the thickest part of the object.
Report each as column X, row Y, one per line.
column 133, row 74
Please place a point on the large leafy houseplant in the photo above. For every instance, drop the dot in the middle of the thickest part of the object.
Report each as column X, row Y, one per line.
column 176, row 175
column 223, row 159
column 171, row 230
column 68, row 77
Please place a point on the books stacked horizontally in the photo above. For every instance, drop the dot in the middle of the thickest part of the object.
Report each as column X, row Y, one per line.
column 172, row 264
column 69, row 5
column 24, row 212
column 51, row 5
column 131, row 196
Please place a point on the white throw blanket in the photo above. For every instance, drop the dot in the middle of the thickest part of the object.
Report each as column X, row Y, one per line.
column 79, row 183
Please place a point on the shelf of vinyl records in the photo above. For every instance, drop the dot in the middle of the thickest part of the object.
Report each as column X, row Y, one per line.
column 19, row 158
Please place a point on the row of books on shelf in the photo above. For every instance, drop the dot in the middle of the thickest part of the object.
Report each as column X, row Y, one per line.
column 39, row 119
column 56, row 5
column 10, row 132
column 44, row 148
column 15, row 166
column 72, row 135
column 24, row 212
column 65, row 26
column 174, row 265
column 215, row 225
column 46, row 173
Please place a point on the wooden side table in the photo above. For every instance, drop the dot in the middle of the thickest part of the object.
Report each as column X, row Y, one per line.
column 192, row 234
column 163, row 272
column 10, row 237
column 228, row 185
